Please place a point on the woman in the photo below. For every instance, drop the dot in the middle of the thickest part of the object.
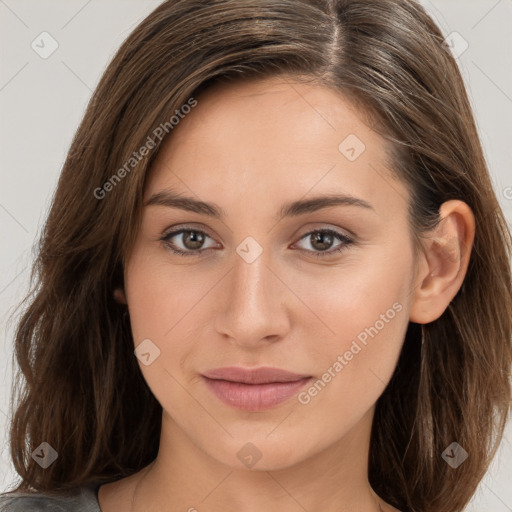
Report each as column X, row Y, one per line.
column 275, row 275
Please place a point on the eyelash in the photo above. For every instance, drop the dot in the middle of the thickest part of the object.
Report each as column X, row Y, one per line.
column 321, row 254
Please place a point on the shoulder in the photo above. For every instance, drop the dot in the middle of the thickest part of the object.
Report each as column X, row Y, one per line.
column 82, row 499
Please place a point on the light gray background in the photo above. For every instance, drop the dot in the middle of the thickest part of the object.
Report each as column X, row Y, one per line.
column 42, row 102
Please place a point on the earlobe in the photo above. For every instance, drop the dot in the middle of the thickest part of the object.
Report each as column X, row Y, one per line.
column 444, row 262
column 119, row 296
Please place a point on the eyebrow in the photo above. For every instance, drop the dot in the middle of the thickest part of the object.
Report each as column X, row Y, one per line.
column 291, row 209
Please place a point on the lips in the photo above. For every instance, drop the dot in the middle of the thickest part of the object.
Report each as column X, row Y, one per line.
column 263, row 375
column 253, row 389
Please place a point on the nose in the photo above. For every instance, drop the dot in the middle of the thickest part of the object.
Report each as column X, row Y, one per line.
column 254, row 301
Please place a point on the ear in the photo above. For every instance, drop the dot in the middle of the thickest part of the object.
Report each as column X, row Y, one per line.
column 443, row 263
column 119, row 296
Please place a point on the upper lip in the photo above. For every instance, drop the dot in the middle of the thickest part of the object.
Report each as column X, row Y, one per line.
column 263, row 375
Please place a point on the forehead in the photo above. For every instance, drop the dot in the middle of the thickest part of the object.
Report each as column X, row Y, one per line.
column 273, row 139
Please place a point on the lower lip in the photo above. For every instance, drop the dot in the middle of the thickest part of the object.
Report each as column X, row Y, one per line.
column 254, row 397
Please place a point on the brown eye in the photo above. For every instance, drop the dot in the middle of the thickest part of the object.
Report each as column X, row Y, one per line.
column 322, row 240
column 192, row 241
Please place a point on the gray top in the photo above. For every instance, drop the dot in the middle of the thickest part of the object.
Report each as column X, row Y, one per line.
column 83, row 499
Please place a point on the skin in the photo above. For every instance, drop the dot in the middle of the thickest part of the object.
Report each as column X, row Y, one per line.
column 250, row 147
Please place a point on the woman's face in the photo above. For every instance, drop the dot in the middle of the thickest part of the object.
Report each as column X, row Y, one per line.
column 273, row 275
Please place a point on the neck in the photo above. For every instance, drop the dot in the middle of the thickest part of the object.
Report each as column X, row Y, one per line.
column 184, row 477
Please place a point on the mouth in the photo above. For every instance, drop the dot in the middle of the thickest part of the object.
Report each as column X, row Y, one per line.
column 254, row 389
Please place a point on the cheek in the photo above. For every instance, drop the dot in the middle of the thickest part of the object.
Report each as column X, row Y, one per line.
column 338, row 303
column 159, row 294
column 367, row 310
column 347, row 329
column 161, row 300
column 358, row 323
column 168, row 304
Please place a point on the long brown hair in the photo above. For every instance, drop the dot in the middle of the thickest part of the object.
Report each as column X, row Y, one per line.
column 83, row 391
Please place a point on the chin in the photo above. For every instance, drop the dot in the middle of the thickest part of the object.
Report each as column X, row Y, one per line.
column 259, row 453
